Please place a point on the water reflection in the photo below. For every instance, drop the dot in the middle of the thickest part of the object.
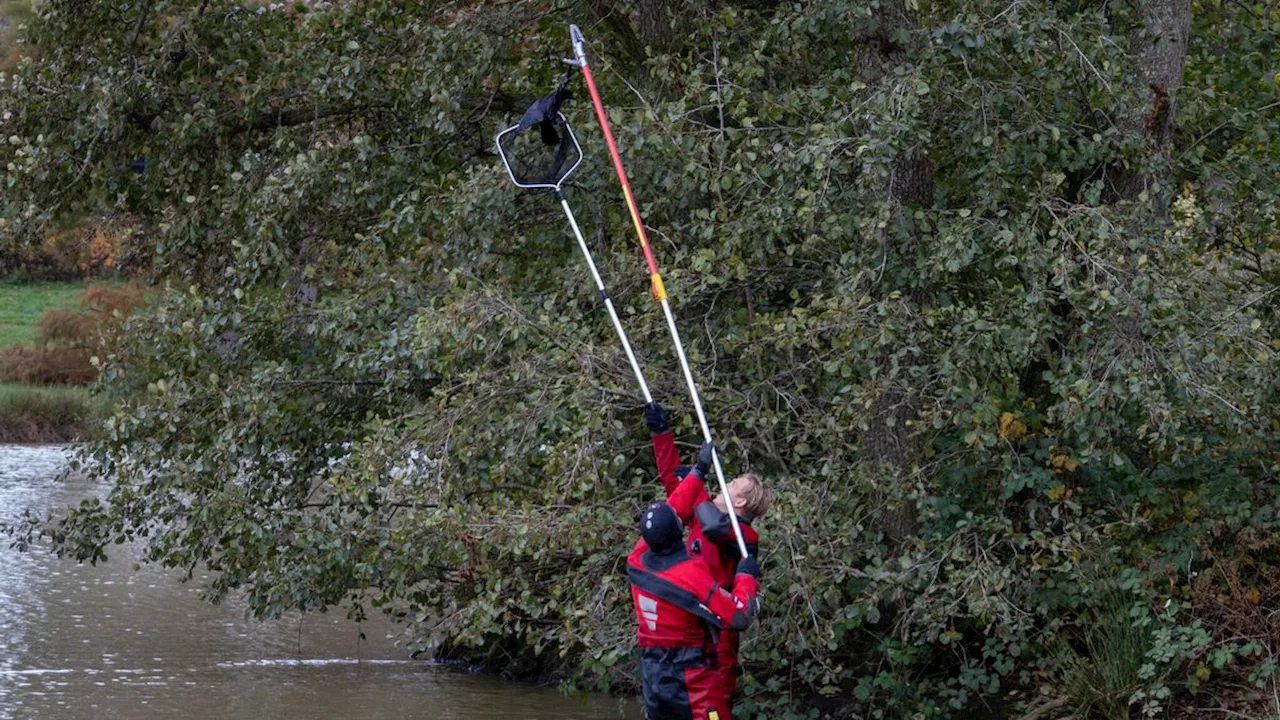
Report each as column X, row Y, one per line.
column 78, row 641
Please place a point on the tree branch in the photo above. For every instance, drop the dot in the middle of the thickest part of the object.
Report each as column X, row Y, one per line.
column 289, row 117
column 278, row 114
column 142, row 20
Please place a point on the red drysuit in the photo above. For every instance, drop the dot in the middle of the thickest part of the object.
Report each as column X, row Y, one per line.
column 711, row 541
column 680, row 610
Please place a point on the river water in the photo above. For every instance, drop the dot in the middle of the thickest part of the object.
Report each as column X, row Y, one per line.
column 104, row 642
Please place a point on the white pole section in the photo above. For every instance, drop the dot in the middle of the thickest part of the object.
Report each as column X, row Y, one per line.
column 608, row 302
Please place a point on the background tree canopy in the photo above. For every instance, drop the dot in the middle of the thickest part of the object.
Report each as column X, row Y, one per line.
column 988, row 291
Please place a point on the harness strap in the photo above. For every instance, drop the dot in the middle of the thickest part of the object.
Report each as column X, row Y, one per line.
column 670, row 592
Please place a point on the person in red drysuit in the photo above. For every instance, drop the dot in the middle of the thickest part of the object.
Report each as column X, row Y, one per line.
column 711, row 538
column 680, row 610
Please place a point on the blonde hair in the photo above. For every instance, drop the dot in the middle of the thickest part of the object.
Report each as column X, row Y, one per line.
column 755, row 497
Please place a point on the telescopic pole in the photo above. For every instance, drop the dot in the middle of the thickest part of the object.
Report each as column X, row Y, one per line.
column 659, row 290
column 604, row 295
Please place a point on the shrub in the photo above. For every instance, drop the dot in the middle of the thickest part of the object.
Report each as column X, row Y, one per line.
column 46, row 365
column 93, row 246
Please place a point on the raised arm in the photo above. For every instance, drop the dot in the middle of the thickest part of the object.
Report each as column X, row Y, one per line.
column 692, row 490
column 664, row 446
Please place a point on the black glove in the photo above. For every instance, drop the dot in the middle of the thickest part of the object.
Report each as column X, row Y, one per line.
column 655, row 416
column 705, row 454
column 750, row 566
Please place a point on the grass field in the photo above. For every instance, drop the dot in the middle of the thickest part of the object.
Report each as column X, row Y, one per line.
column 22, row 303
column 17, row 12
column 13, row 13
column 14, row 392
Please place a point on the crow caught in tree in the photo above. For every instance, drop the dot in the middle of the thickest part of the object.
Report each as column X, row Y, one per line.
column 543, row 113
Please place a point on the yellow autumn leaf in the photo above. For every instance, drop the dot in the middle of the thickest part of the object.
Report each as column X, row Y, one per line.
column 1056, row 493
column 1011, row 426
column 1062, row 461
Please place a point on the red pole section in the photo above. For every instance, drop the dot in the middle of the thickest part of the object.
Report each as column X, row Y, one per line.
column 659, row 290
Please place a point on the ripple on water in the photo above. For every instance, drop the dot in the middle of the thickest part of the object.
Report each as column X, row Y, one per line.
column 82, row 641
column 32, row 462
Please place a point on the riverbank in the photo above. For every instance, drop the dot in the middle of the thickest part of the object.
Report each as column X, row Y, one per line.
column 38, row 414
column 33, row 413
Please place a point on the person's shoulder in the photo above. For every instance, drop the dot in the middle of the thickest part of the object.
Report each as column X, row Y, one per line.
column 641, row 547
column 694, row 572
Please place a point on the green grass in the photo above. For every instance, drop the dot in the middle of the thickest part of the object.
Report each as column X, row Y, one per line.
column 1099, row 681
column 13, row 14
column 19, row 11
column 22, row 303
column 49, row 414
column 62, row 393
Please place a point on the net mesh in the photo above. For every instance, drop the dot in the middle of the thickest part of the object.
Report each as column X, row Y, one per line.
column 544, row 154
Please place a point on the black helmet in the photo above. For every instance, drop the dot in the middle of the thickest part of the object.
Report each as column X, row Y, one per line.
column 662, row 529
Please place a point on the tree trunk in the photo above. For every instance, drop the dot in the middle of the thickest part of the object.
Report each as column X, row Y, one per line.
column 889, row 441
column 656, row 20
column 615, row 21
column 1159, row 49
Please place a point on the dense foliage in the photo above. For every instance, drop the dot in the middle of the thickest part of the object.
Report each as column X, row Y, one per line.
column 986, row 290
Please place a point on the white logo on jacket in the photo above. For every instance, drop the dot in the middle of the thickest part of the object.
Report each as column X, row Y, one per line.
column 649, row 609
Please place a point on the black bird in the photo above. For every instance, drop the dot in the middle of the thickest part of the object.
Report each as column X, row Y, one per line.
column 543, row 113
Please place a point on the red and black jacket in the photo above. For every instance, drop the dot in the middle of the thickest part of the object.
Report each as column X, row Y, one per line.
column 679, row 605
column 681, row 611
column 711, row 538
